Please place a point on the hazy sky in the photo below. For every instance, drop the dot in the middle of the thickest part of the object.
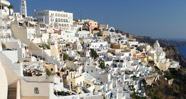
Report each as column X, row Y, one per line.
column 157, row 18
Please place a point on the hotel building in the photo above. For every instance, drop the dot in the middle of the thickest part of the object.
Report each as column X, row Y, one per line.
column 58, row 19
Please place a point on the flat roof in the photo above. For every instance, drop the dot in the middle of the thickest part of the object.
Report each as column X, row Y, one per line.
column 53, row 11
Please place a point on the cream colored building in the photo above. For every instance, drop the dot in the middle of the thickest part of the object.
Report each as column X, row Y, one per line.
column 58, row 19
column 90, row 24
column 3, row 83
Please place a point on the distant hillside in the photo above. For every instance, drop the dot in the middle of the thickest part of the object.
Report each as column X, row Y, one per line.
column 161, row 41
column 161, row 89
column 150, row 40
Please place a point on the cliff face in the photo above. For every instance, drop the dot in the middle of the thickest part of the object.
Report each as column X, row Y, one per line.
column 168, row 46
column 161, row 89
column 172, row 53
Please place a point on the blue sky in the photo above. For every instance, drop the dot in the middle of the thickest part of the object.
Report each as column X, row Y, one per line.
column 156, row 18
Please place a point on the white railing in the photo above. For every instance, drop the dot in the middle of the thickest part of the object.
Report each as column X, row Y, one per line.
column 81, row 96
column 51, row 79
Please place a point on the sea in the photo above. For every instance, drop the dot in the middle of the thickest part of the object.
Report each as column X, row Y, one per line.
column 182, row 49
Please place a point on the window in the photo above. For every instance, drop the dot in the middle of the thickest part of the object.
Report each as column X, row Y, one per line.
column 36, row 90
column 92, row 71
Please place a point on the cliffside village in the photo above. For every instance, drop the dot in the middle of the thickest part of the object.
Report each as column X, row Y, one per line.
column 53, row 56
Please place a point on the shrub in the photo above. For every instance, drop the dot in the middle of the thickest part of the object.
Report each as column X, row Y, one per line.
column 102, row 64
column 93, row 54
column 18, row 61
column 62, row 93
column 168, row 75
column 48, row 72
column 65, row 57
column 11, row 7
column 158, row 70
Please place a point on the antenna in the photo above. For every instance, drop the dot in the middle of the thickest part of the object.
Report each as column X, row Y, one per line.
column 80, row 17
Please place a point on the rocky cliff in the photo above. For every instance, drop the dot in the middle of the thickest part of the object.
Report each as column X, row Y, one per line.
column 161, row 89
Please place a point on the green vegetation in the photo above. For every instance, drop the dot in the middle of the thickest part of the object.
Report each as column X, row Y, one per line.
column 62, row 93
column 79, row 52
column 85, row 27
column 44, row 46
column 168, row 75
column 155, row 95
column 11, row 7
column 158, row 70
column 102, row 64
column 133, row 77
column 161, row 88
column 119, row 31
column 18, row 61
column 93, row 54
column 37, row 70
column 48, row 72
column 65, row 57
column 132, row 88
column 71, row 69
column 172, row 70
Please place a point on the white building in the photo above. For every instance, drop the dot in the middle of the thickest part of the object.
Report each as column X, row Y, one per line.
column 58, row 19
column 99, row 45
column 23, row 8
column 83, row 34
column 4, row 19
column 69, row 36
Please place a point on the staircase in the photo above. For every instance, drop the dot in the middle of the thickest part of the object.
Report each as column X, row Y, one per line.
column 21, row 34
column 11, row 93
